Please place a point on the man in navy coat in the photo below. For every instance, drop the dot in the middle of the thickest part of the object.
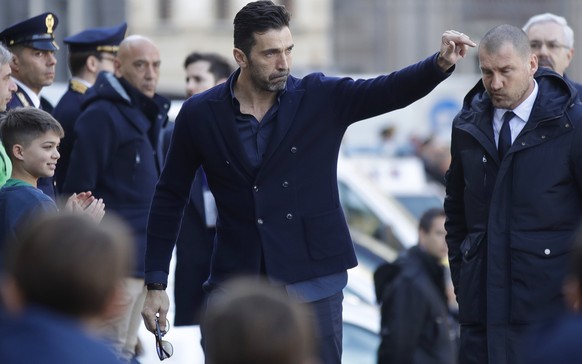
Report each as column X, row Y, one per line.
column 117, row 155
column 32, row 43
column 514, row 197
column 269, row 143
column 90, row 52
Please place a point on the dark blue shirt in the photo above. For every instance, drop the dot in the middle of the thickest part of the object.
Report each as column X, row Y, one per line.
column 254, row 134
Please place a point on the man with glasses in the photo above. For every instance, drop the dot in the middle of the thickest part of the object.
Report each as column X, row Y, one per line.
column 552, row 40
column 90, row 52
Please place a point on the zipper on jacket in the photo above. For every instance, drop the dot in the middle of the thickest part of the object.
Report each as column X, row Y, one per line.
column 484, row 171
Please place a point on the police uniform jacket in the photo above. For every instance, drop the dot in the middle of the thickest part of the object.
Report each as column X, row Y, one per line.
column 510, row 222
column 117, row 151
column 21, row 99
column 66, row 113
column 285, row 220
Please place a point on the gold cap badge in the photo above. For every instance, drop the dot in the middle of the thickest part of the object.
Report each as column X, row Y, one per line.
column 50, row 23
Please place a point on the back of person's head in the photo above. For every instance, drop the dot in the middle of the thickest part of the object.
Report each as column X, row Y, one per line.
column 257, row 17
column 552, row 18
column 5, row 55
column 219, row 66
column 68, row 264
column 252, row 322
column 497, row 37
column 24, row 124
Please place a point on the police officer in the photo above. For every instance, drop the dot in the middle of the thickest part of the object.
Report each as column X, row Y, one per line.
column 32, row 43
column 90, row 52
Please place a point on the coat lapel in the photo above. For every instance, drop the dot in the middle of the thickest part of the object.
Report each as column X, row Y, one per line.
column 225, row 120
column 287, row 109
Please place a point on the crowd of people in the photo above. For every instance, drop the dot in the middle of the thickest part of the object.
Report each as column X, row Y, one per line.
column 235, row 187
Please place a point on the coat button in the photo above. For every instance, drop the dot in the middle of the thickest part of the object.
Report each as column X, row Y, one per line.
column 256, row 188
column 547, row 252
column 543, row 137
column 523, row 143
column 567, row 125
column 285, row 184
column 293, row 149
column 289, row 216
column 260, row 221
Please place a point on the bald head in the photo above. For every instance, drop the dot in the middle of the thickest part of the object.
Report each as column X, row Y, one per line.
column 138, row 62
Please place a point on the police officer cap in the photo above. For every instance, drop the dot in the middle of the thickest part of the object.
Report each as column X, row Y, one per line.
column 97, row 39
column 37, row 32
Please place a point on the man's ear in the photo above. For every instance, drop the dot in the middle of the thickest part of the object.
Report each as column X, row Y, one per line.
column 10, row 295
column 240, row 57
column 15, row 63
column 92, row 63
column 572, row 293
column 18, row 151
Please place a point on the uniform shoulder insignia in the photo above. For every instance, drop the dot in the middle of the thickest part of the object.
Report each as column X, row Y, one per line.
column 78, row 87
column 22, row 99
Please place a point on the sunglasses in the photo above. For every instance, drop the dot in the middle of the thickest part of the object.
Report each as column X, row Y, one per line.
column 164, row 348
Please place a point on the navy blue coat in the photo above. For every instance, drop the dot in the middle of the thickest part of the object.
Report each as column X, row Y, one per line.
column 286, row 219
column 557, row 341
column 21, row 99
column 41, row 336
column 66, row 112
column 117, row 152
column 510, row 223
column 193, row 252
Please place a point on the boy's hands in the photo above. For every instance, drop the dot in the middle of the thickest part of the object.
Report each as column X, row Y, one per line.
column 86, row 203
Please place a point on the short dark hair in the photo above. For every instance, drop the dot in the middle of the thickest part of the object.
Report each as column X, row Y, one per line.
column 425, row 223
column 22, row 125
column 251, row 321
column 495, row 38
column 68, row 263
column 219, row 66
column 257, row 17
column 77, row 60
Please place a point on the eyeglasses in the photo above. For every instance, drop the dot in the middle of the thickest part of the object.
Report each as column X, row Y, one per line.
column 164, row 348
column 551, row 46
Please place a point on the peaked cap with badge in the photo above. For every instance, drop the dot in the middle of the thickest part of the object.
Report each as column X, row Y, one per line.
column 37, row 32
column 97, row 39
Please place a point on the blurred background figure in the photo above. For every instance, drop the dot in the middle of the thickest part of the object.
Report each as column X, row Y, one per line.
column 61, row 276
column 204, row 71
column 416, row 325
column 90, row 52
column 552, row 40
column 558, row 341
column 196, row 237
column 32, row 43
column 252, row 321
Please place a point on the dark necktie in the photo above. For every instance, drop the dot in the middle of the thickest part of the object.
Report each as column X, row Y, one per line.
column 505, row 135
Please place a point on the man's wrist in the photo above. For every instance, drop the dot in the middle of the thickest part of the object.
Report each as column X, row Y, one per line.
column 156, row 286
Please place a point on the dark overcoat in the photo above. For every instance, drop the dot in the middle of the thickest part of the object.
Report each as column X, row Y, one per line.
column 66, row 112
column 117, row 152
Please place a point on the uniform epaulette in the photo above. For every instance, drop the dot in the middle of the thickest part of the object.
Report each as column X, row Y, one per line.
column 78, row 86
